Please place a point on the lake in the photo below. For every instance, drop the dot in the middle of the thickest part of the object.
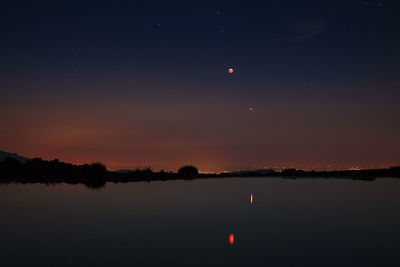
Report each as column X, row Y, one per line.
column 209, row 222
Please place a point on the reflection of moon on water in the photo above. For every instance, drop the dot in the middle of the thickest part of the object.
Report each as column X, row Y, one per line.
column 231, row 239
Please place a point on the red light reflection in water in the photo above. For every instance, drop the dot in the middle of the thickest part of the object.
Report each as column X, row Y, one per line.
column 231, row 239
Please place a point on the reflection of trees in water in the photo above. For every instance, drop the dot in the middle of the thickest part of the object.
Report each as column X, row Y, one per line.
column 95, row 184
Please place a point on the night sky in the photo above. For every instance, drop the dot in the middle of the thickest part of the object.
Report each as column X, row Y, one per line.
column 316, row 84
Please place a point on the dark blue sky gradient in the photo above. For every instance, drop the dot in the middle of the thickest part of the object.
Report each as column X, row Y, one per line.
column 322, row 76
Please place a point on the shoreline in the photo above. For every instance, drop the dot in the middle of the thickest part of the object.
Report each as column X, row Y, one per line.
column 101, row 181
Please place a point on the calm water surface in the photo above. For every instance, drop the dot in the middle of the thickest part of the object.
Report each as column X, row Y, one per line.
column 193, row 223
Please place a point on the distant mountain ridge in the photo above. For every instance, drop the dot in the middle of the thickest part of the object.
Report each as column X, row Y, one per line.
column 4, row 155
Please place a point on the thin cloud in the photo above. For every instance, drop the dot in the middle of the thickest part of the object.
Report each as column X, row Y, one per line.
column 309, row 29
column 305, row 30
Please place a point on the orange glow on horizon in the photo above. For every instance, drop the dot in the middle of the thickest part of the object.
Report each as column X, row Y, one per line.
column 117, row 159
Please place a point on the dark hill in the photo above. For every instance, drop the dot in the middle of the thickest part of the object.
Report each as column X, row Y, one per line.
column 4, row 155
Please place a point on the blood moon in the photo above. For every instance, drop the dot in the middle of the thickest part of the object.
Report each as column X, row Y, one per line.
column 230, row 70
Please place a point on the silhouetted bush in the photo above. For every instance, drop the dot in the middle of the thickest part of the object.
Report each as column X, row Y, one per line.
column 10, row 166
column 289, row 171
column 189, row 171
column 93, row 170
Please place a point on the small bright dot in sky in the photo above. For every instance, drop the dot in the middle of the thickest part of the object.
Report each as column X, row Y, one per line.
column 230, row 70
column 251, row 108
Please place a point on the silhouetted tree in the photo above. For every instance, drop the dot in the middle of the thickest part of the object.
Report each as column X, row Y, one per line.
column 10, row 166
column 95, row 175
column 289, row 171
column 189, row 171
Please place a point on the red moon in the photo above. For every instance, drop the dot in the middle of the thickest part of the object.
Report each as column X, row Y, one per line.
column 230, row 70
